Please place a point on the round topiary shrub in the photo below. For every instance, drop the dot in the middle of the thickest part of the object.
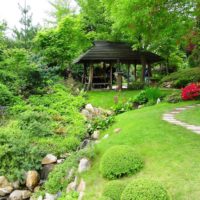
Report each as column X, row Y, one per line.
column 144, row 190
column 119, row 161
column 114, row 190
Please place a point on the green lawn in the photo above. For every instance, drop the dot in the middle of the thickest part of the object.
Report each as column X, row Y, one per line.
column 191, row 116
column 106, row 99
column 171, row 153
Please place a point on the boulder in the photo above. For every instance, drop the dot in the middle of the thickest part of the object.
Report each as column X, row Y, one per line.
column 86, row 114
column 84, row 144
column 16, row 185
column 4, row 182
column 50, row 196
column 32, row 179
column 90, row 108
column 95, row 135
column 72, row 186
column 5, row 191
column 5, row 187
column 106, row 136
column 46, row 169
column 84, row 165
column 49, row 159
column 82, row 186
column 70, row 174
column 20, row 195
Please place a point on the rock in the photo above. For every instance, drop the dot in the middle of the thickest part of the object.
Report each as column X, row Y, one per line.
column 84, row 165
column 158, row 101
column 46, row 169
column 81, row 186
column 81, row 195
column 95, row 135
column 140, row 106
column 90, row 108
column 32, row 179
column 106, row 136
column 16, row 185
column 5, row 187
column 117, row 130
column 4, row 182
column 40, row 198
column 72, row 186
column 50, row 196
column 5, row 191
column 65, row 155
column 86, row 114
column 70, row 174
column 60, row 161
column 36, row 189
column 20, row 195
column 84, row 144
column 49, row 159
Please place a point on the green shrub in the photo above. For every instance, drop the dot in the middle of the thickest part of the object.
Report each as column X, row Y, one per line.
column 175, row 97
column 141, row 98
column 144, row 190
column 123, row 107
column 136, row 86
column 119, row 161
column 114, row 190
column 69, row 196
column 6, row 97
column 183, row 77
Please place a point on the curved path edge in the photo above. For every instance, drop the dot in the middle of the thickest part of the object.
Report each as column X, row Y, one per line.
column 171, row 118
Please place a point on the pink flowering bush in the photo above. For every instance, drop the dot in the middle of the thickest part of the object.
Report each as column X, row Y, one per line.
column 191, row 92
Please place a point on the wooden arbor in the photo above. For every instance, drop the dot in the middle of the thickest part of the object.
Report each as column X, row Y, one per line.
column 111, row 54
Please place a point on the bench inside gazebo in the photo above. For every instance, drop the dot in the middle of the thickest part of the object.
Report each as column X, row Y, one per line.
column 109, row 56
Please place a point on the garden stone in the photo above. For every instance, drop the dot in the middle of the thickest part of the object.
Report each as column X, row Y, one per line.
column 81, row 195
column 72, row 186
column 70, row 174
column 60, row 161
column 106, row 136
column 81, row 186
column 32, row 179
column 50, row 196
column 16, row 185
column 20, row 195
column 49, row 159
column 95, row 135
column 37, row 188
column 90, row 108
column 5, row 191
column 84, row 165
column 86, row 114
column 117, row 130
column 84, row 144
column 4, row 182
column 46, row 169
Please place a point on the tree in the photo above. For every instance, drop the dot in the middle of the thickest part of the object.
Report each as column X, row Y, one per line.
column 27, row 32
column 59, row 46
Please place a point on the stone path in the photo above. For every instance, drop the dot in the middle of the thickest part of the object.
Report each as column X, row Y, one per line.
column 171, row 118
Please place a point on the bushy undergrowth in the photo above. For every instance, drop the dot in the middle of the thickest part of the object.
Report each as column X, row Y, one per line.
column 144, row 190
column 6, row 97
column 119, row 161
column 50, row 123
column 183, row 77
column 114, row 190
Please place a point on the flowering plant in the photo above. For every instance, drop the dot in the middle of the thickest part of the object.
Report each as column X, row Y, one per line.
column 191, row 92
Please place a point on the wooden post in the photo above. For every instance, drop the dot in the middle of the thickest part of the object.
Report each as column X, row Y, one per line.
column 91, row 74
column 149, row 70
column 135, row 72
column 143, row 62
column 111, row 75
column 84, row 73
column 128, row 78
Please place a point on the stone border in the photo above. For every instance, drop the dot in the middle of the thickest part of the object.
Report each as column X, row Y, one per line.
column 171, row 118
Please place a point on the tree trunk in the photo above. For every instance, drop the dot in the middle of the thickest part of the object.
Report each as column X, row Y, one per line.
column 143, row 62
column 128, row 77
column 91, row 73
column 135, row 72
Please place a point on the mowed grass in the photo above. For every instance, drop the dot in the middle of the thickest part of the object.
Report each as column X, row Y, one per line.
column 171, row 153
column 191, row 116
column 107, row 99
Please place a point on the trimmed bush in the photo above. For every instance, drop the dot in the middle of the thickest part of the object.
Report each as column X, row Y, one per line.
column 182, row 78
column 144, row 190
column 114, row 190
column 120, row 161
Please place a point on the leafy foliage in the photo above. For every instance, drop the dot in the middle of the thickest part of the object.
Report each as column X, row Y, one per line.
column 143, row 190
column 120, row 161
column 114, row 190
column 6, row 97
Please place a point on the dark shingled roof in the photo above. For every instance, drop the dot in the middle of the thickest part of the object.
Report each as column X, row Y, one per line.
column 116, row 52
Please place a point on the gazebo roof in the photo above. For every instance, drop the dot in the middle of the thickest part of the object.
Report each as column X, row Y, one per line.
column 104, row 51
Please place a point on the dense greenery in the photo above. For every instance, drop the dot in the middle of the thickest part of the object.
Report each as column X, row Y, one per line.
column 144, row 189
column 120, row 161
column 114, row 190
